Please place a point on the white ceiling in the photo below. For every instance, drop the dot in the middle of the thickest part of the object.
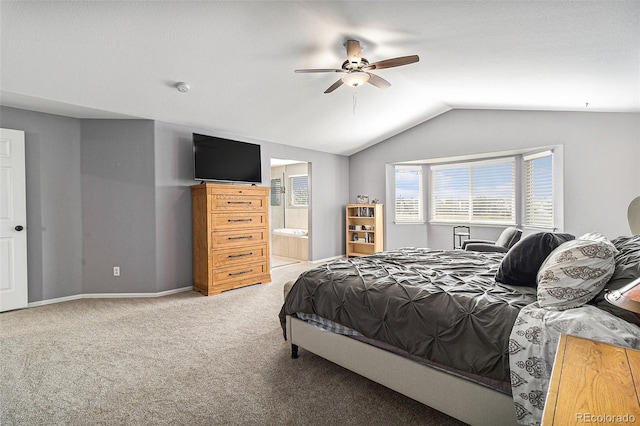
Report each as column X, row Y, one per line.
column 122, row 59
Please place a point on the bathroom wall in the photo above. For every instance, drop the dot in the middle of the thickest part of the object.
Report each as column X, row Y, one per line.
column 284, row 215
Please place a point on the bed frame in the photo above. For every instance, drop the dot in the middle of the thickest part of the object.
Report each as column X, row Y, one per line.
column 463, row 399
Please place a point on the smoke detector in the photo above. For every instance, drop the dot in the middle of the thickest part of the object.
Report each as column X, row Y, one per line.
column 183, row 87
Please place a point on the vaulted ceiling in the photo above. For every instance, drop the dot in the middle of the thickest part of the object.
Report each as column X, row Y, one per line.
column 123, row 59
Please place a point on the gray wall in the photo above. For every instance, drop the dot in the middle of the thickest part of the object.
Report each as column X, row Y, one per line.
column 329, row 176
column 54, row 210
column 174, row 177
column 601, row 173
column 118, row 206
column 329, row 189
column 105, row 193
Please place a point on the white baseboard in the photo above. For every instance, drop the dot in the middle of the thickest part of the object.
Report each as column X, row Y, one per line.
column 107, row 296
column 328, row 259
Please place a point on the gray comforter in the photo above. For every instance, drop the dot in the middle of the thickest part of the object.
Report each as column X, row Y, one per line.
column 443, row 306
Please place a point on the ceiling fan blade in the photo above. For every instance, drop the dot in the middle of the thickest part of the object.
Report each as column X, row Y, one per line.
column 354, row 51
column 394, row 62
column 334, row 86
column 379, row 82
column 320, row 70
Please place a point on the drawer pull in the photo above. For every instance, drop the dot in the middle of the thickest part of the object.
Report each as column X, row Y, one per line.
column 245, row 237
column 239, row 220
column 241, row 273
column 231, row 256
column 239, row 202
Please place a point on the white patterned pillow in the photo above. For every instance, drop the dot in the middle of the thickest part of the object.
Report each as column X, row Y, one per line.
column 575, row 272
column 596, row 236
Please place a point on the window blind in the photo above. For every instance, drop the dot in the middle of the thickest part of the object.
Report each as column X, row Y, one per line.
column 276, row 192
column 538, row 190
column 409, row 194
column 474, row 192
column 299, row 185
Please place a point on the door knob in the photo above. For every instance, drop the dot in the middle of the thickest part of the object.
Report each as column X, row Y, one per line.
column 19, row 228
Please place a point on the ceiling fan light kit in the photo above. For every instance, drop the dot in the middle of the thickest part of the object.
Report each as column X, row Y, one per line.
column 357, row 68
column 356, row 78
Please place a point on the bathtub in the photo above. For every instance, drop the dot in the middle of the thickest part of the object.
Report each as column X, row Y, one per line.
column 289, row 242
column 291, row 231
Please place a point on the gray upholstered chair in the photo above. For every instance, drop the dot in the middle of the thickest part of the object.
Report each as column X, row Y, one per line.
column 505, row 241
column 633, row 214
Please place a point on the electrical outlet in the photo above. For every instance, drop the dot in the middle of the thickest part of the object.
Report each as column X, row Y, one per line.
column 116, row 271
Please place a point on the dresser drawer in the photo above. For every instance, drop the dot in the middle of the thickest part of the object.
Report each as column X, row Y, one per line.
column 239, row 255
column 245, row 272
column 235, row 190
column 244, row 203
column 238, row 237
column 221, row 221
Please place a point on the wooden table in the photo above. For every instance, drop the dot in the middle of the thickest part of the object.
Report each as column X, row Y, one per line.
column 593, row 383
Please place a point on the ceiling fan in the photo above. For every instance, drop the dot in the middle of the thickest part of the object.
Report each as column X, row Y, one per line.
column 357, row 68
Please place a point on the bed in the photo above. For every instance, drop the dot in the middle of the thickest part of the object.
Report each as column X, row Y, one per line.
column 435, row 325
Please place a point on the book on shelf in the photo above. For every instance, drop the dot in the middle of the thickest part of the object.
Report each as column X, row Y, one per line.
column 365, row 212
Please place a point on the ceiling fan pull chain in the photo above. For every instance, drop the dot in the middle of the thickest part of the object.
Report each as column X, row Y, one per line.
column 355, row 92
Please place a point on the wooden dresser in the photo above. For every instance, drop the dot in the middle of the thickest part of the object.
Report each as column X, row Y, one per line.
column 593, row 382
column 230, row 236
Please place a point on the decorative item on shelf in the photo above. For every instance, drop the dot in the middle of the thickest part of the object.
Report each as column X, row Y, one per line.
column 628, row 297
column 365, row 212
column 355, row 237
column 362, row 199
column 375, row 201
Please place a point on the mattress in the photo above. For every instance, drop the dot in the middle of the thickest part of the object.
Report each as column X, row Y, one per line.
column 442, row 307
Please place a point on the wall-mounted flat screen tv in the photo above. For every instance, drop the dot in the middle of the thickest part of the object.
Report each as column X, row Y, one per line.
column 220, row 159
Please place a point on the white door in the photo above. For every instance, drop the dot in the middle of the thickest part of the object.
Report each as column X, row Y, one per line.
column 13, row 221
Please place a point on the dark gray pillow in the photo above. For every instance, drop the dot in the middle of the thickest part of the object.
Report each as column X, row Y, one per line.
column 520, row 265
column 627, row 270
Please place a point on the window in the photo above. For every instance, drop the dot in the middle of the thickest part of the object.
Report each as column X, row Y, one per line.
column 299, row 190
column 276, row 192
column 409, row 198
column 538, row 190
column 474, row 192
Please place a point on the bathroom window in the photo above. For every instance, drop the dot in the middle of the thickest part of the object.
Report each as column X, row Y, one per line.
column 276, row 192
column 299, row 190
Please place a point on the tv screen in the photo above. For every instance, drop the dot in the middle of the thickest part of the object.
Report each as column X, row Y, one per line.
column 226, row 160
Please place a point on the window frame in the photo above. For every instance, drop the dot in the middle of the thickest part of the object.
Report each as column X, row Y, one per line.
column 419, row 217
column 291, row 198
column 470, row 164
column 527, row 158
column 519, row 153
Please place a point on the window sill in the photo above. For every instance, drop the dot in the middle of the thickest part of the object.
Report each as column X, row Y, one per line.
column 409, row 223
column 475, row 224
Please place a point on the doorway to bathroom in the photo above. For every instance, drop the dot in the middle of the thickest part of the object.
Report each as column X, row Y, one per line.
column 290, row 206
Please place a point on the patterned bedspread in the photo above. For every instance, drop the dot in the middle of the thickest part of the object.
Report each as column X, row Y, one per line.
column 535, row 335
column 533, row 345
column 443, row 306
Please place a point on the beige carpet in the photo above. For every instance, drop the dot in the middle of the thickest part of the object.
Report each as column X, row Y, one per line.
column 278, row 262
column 183, row 359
